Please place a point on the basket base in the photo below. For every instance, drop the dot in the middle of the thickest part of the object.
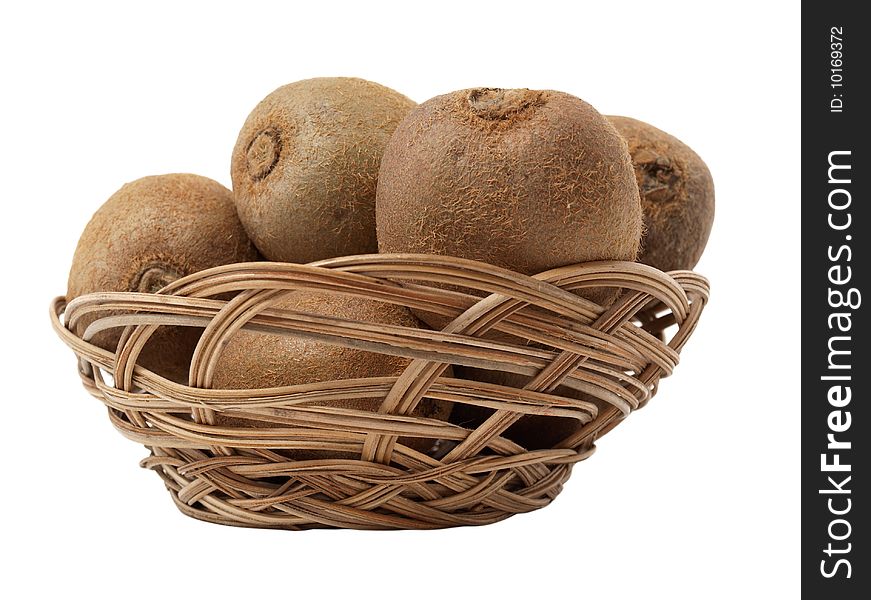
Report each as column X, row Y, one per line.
column 305, row 502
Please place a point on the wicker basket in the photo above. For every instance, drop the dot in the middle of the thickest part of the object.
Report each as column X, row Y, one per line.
column 242, row 475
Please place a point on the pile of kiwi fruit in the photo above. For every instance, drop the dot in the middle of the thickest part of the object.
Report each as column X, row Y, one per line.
column 335, row 166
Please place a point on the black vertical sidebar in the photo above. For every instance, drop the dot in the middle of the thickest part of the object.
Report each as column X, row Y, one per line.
column 835, row 262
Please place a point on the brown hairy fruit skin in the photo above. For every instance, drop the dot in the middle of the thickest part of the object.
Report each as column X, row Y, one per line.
column 522, row 179
column 253, row 360
column 677, row 196
column 305, row 167
column 533, row 432
column 149, row 233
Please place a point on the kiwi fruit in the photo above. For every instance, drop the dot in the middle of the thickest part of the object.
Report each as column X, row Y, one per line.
column 305, row 166
column 677, row 195
column 522, row 179
column 533, row 432
column 254, row 360
column 149, row 233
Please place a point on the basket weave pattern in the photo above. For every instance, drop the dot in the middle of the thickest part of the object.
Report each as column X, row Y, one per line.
column 534, row 326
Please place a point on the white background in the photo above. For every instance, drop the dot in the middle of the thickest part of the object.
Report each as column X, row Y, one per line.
column 696, row 496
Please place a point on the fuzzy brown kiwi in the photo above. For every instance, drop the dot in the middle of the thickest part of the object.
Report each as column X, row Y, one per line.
column 253, row 360
column 149, row 233
column 677, row 195
column 305, row 166
column 533, row 432
column 522, row 179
